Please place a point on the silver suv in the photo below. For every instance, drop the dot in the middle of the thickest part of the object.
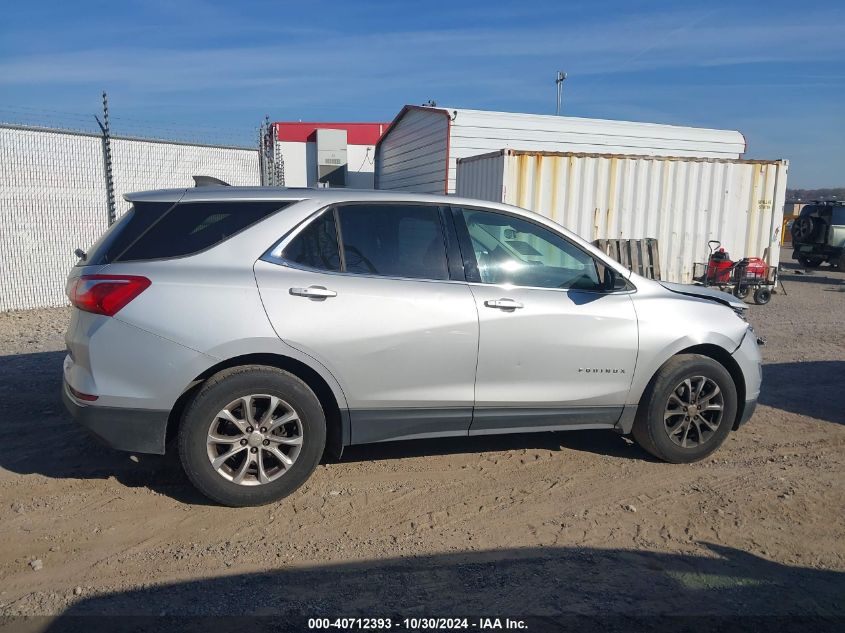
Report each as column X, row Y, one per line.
column 258, row 327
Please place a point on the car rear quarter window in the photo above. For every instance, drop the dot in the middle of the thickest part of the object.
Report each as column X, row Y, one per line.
column 316, row 245
column 393, row 240
column 164, row 230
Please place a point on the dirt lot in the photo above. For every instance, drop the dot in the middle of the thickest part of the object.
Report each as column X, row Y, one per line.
column 582, row 523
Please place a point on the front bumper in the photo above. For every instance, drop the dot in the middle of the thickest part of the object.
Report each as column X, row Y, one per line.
column 133, row 430
column 750, row 363
column 747, row 412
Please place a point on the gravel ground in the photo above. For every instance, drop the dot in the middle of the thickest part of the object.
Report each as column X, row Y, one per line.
column 579, row 522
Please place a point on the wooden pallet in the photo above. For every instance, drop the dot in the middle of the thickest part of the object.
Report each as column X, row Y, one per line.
column 639, row 255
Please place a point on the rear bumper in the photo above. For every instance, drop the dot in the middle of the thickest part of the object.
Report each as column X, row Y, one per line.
column 133, row 430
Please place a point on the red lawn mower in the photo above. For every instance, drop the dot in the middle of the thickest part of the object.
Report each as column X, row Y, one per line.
column 739, row 278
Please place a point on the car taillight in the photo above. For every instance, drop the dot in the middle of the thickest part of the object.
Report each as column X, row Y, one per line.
column 105, row 294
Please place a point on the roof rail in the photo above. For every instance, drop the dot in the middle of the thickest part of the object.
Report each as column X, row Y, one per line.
column 209, row 181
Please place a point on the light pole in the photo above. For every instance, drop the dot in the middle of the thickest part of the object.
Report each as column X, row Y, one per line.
column 561, row 77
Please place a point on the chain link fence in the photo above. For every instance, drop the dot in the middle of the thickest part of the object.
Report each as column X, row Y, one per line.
column 53, row 197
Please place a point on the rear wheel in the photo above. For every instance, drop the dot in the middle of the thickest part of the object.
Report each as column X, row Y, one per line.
column 687, row 410
column 252, row 435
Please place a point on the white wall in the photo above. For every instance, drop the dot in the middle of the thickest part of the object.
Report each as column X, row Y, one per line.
column 361, row 166
column 53, row 198
column 301, row 164
column 142, row 165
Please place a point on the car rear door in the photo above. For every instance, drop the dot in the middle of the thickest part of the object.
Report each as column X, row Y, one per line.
column 555, row 350
column 368, row 290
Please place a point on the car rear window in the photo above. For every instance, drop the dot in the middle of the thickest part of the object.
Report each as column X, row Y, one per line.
column 156, row 230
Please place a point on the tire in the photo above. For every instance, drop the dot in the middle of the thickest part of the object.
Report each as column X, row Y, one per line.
column 762, row 296
column 297, row 426
column 655, row 436
column 804, row 229
column 838, row 263
column 741, row 291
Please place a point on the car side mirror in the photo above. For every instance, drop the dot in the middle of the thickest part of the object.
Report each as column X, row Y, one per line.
column 612, row 280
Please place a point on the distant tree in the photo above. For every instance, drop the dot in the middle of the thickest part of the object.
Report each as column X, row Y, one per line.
column 808, row 195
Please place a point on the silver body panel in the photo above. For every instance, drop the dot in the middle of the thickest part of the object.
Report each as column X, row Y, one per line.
column 403, row 358
column 394, row 342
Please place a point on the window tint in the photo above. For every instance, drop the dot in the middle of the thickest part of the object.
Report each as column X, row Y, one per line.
column 510, row 250
column 394, row 240
column 156, row 231
column 316, row 245
column 126, row 230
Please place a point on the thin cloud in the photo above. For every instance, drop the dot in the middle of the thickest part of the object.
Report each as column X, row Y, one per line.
column 597, row 51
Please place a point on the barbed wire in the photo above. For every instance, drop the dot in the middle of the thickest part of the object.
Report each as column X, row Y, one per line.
column 243, row 136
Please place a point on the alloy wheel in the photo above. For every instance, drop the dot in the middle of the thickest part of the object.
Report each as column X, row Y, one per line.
column 693, row 412
column 254, row 440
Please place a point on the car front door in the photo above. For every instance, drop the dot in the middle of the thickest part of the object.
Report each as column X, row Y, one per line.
column 555, row 349
column 367, row 290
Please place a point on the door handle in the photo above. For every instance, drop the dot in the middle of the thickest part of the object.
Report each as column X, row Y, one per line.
column 313, row 292
column 503, row 304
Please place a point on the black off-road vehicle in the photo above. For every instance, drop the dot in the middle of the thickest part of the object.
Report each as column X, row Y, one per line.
column 818, row 235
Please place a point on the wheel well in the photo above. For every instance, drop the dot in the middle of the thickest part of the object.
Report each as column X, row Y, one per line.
column 724, row 358
column 334, row 419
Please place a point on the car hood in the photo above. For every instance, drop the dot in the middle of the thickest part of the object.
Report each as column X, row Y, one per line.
column 705, row 293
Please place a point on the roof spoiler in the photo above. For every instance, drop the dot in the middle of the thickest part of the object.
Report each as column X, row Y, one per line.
column 209, row 181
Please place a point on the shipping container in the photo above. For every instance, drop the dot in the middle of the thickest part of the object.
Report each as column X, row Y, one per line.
column 418, row 152
column 683, row 202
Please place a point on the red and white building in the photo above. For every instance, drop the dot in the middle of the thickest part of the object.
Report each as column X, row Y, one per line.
column 320, row 154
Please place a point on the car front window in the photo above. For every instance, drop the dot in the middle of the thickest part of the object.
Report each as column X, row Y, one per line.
column 510, row 250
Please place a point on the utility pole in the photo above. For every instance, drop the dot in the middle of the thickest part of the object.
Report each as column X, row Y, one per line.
column 561, row 77
column 107, row 162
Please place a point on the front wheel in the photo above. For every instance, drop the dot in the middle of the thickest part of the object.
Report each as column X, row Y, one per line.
column 687, row 410
column 252, row 435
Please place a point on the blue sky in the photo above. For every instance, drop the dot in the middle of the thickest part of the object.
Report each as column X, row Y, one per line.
column 211, row 70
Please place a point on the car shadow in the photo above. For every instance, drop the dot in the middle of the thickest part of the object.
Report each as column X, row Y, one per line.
column 558, row 588
column 812, row 388
column 42, row 438
column 606, row 443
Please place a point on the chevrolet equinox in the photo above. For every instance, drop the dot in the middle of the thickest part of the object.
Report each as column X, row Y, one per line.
column 255, row 328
